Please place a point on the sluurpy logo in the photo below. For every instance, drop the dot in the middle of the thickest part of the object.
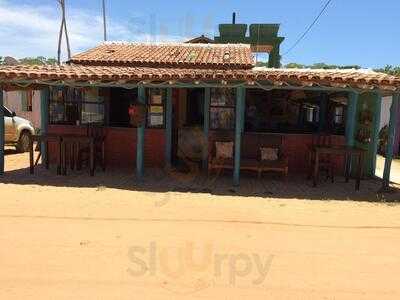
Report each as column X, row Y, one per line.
column 188, row 269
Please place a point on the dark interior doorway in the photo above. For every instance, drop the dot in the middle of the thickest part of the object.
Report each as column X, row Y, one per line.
column 195, row 107
column 121, row 99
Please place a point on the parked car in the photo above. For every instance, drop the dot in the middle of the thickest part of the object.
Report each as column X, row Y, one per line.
column 17, row 131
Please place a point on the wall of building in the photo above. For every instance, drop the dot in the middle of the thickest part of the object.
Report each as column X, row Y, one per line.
column 121, row 145
column 385, row 112
column 385, row 117
column 397, row 135
column 12, row 100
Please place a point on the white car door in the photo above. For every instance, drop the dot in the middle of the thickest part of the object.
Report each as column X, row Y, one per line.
column 10, row 127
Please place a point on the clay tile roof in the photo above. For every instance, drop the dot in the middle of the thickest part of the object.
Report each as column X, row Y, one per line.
column 359, row 79
column 168, row 55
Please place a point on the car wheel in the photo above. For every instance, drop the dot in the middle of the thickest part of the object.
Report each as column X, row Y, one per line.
column 23, row 142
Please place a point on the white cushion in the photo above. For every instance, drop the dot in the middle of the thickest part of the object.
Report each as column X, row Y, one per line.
column 224, row 150
column 269, row 154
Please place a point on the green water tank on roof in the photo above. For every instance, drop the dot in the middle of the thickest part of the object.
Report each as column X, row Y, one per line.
column 264, row 31
column 233, row 32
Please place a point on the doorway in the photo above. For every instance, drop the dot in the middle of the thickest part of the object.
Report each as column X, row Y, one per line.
column 188, row 115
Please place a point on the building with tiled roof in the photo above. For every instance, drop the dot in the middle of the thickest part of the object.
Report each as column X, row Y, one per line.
column 182, row 88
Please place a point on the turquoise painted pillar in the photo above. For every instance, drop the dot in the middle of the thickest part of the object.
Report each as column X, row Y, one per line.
column 206, row 127
column 44, row 117
column 140, row 137
column 322, row 112
column 351, row 121
column 351, row 118
column 168, row 128
column 392, row 131
column 2, row 133
column 240, row 106
column 375, row 131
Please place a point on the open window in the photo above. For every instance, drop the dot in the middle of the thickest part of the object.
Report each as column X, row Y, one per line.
column 74, row 106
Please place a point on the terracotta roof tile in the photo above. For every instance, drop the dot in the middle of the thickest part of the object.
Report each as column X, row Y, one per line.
column 165, row 55
column 360, row 79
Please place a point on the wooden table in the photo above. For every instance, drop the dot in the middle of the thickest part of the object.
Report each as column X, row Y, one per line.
column 74, row 142
column 345, row 151
column 63, row 140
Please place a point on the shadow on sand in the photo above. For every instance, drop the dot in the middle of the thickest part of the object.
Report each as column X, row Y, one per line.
column 156, row 180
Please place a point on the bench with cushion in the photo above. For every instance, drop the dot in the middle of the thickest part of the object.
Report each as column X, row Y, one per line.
column 260, row 153
column 271, row 155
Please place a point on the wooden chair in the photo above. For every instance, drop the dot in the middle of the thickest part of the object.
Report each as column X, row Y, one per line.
column 326, row 162
column 98, row 133
column 219, row 164
column 281, row 164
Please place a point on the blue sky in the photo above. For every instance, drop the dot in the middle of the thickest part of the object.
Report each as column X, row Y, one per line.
column 363, row 32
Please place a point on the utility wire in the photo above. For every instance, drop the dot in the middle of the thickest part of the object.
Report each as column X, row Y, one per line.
column 309, row 27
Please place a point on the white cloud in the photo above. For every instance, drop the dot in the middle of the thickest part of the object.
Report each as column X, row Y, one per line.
column 32, row 30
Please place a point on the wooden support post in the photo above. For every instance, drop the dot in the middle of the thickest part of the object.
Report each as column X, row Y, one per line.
column 240, row 107
column 392, row 130
column 322, row 112
column 44, row 119
column 140, row 137
column 168, row 129
column 375, row 131
column 351, row 118
column 206, row 127
column 2, row 134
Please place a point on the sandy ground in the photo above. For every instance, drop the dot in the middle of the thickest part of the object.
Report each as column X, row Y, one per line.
column 107, row 237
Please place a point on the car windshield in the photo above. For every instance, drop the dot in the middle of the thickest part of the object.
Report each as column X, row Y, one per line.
column 7, row 112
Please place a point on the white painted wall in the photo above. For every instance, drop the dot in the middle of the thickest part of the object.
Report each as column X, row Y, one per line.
column 385, row 111
column 12, row 101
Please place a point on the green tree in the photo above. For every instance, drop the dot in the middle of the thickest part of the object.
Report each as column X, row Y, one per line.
column 321, row 66
column 1, row 60
column 39, row 60
column 295, row 66
column 389, row 69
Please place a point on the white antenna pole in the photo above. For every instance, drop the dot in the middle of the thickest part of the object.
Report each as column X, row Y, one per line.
column 104, row 20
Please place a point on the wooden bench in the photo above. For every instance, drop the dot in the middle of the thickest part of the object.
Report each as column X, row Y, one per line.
column 251, row 155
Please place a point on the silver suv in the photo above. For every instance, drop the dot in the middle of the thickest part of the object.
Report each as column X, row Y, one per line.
column 17, row 131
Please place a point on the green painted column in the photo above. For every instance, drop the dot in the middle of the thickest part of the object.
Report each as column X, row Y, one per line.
column 44, row 116
column 351, row 122
column 2, row 133
column 375, row 130
column 168, row 128
column 392, row 131
column 351, row 118
column 322, row 113
column 240, row 106
column 274, row 60
column 206, row 127
column 140, row 137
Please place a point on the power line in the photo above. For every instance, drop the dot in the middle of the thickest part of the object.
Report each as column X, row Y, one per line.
column 309, row 27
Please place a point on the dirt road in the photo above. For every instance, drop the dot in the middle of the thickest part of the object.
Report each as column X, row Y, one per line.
column 110, row 243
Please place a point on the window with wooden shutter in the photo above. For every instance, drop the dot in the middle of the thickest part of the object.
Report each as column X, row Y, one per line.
column 26, row 100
